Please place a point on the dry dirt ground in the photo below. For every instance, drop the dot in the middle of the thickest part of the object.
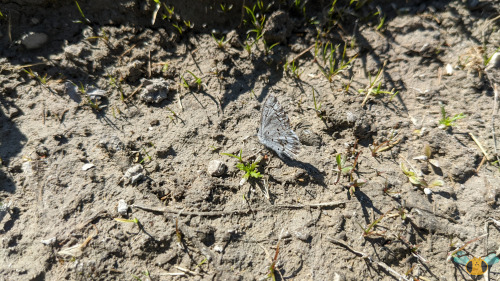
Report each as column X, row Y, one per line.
column 105, row 110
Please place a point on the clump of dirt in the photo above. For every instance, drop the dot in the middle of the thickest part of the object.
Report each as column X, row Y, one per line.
column 118, row 118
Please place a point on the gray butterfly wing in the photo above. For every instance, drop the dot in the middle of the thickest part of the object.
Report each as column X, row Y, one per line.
column 275, row 131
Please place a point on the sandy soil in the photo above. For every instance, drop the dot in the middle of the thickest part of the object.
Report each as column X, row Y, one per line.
column 109, row 118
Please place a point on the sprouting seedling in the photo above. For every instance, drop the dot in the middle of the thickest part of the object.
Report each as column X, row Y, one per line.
column 386, row 145
column 267, row 49
column 135, row 220
column 188, row 24
column 170, row 11
column 145, row 273
column 85, row 19
column 418, row 179
column 427, row 156
column 334, row 67
column 225, row 7
column 294, row 68
column 300, row 6
column 342, row 169
column 42, row 79
column 220, row 42
column 317, row 106
column 356, row 183
column 272, row 268
column 197, row 80
column 368, row 231
column 448, row 121
column 375, row 89
column 382, row 18
column 179, row 28
column 258, row 24
column 262, row 7
column 116, row 83
column 488, row 59
column 147, row 157
column 250, row 169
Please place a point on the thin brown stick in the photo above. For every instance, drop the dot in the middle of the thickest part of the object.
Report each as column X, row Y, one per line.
column 238, row 212
column 368, row 258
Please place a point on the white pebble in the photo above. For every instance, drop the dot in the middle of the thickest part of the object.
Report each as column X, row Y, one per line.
column 122, row 207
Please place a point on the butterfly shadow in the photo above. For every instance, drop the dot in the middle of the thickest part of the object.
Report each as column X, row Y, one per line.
column 312, row 171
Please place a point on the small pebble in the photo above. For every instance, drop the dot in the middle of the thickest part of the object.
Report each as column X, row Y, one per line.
column 87, row 166
column 34, row 40
column 122, row 207
column 216, row 168
column 134, row 174
column 49, row 242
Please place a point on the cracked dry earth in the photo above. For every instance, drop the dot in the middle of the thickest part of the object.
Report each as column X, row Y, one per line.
column 112, row 129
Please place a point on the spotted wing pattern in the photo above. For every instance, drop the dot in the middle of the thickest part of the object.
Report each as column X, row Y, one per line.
column 275, row 131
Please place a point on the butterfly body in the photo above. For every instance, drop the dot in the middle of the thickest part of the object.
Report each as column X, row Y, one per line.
column 473, row 265
column 275, row 131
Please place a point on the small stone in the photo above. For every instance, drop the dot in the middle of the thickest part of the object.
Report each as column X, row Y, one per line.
column 309, row 138
column 134, row 174
column 216, row 168
column 49, row 242
column 27, row 168
column 34, row 40
column 218, row 248
column 122, row 207
column 14, row 112
column 154, row 90
column 87, row 166
column 427, row 191
column 96, row 94
column 302, row 235
column 449, row 69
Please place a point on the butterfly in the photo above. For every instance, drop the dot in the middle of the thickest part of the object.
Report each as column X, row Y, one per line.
column 275, row 131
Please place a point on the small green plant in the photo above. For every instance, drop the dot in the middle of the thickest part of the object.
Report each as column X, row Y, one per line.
column 256, row 21
column 293, row 68
column 418, row 180
column 381, row 18
column 342, row 169
column 267, row 49
column 116, row 83
column 487, row 59
column 334, row 67
column 374, row 90
column 135, row 220
column 448, row 121
column 42, row 79
column 179, row 28
column 317, row 106
column 188, row 24
column 386, row 145
column 225, row 8
column 197, row 80
column 84, row 19
column 250, row 169
column 220, row 42
column 147, row 156
column 368, row 231
column 248, row 46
